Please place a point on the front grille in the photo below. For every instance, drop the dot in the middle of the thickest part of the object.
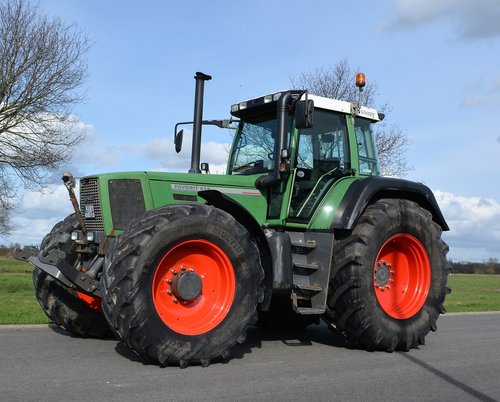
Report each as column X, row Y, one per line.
column 90, row 204
column 126, row 200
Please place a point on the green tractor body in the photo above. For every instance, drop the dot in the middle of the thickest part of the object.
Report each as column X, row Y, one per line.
column 301, row 227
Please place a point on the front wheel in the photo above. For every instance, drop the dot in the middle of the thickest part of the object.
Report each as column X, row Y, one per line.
column 389, row 277
column 77, row 312
column 182, row 284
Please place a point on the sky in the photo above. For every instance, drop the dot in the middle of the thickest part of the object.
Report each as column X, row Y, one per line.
column 436, row 62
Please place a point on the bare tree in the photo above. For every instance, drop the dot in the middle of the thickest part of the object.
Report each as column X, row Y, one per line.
column 42, row 67
column 337, row 82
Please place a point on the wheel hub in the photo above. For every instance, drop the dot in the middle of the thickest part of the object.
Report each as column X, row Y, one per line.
column 383, row 275
column 186, row 286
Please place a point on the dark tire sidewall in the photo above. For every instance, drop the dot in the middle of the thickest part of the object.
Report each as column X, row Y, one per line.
column 405, row 221
column 359, row 314
column 151, row 336
column 178, row 232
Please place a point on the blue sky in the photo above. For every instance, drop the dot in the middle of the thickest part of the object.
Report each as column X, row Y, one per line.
column 436, row 62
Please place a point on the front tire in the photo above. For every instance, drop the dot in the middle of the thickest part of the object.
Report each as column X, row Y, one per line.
column 78, row 313
column 181, row 284
column 389, row 277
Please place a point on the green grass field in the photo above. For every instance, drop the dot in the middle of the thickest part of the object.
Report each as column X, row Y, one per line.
column 473, row 293
column 18, row 304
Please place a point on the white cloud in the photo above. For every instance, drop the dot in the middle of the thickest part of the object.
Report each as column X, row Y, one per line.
column 472, row 19
column 483, row 93
column 38, row 213
column 163, row 152
column 474, row 226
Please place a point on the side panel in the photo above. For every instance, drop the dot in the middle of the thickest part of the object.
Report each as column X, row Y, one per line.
column 180, row 187
column 326, row 210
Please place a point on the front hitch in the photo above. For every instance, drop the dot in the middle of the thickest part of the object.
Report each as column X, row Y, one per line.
column 69, row 183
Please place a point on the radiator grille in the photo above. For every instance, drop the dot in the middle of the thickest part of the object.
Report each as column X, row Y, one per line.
column 90, row 204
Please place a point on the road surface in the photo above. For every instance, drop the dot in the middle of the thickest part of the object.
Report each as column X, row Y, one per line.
column 460, row 362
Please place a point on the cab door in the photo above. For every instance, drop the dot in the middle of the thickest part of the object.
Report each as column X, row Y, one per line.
column 322, row 157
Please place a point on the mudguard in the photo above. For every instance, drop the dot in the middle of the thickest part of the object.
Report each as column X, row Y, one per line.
column 366, row 191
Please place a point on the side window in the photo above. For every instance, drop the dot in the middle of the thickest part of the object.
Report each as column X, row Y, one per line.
column 367, row 150
column 322, row 158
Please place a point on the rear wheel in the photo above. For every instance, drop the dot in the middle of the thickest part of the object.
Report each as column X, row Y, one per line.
column 389, row 277
column 182, row 283
column 77, row 312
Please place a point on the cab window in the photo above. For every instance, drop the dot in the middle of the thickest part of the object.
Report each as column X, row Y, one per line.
column 367, row 150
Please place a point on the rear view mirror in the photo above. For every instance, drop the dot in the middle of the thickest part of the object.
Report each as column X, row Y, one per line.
column 178, row 141
column 304, row 114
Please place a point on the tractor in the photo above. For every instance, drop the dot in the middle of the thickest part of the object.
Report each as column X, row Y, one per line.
column 301, row 227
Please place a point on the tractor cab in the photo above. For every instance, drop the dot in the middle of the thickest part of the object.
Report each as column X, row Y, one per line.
column 300, row 158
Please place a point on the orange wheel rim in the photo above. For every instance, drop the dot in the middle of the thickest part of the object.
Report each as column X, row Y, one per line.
column 194, row 287
column 402, row 276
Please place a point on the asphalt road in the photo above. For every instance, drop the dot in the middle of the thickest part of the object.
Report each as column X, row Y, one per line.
column 460, row 362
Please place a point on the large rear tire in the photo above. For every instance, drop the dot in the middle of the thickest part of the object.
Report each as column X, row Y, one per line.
column 389, row 277
column 181, row 284
column 78, row 313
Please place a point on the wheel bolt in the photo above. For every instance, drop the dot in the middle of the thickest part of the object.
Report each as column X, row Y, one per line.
column 392, row 272
column 377, row 285
column 174, row 299
column 391, row 280
column 174, row 272
column 184, row 302
column 183, row 268
column 169, row 291
column 191, row 269
column 169, row 280
column 388, row 286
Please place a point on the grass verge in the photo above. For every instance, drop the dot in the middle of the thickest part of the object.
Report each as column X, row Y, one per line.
column 473, row 293
column 18, row 304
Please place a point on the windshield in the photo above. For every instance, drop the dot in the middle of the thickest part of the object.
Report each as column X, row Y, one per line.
column 255, row 146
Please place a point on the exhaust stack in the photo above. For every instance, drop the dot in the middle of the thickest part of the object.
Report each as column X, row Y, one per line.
column 198, row 117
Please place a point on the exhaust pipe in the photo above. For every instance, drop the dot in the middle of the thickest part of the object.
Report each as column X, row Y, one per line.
column 198, row 117
column 274, row 176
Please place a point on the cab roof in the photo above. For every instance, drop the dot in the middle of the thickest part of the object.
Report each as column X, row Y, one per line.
column 267, row 103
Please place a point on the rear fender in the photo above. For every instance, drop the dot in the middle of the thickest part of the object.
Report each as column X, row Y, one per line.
column 364, row 192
